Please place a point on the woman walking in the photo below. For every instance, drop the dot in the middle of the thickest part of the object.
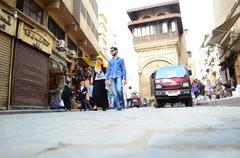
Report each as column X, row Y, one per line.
column 100, row 99
column 195, row 88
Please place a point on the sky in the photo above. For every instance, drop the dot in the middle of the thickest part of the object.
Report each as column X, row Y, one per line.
column 197, row 18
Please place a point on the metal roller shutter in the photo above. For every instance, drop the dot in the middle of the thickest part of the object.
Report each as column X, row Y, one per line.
column 5, row 59
column 30, row 76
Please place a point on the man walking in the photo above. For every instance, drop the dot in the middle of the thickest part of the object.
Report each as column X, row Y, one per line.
column 116, row 74
column 129, row 97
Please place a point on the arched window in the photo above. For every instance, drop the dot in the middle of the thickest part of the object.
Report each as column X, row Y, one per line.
column 146, row 16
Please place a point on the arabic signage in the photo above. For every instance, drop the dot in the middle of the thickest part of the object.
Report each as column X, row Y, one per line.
column 7, row 23
column 36, row 38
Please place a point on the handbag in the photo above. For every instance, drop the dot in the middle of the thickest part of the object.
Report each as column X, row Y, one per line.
column 62, row 103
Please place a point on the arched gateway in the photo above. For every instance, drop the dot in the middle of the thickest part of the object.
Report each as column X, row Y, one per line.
column 158, row 40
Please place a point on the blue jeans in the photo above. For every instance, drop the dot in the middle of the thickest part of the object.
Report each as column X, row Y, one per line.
column 116, row 84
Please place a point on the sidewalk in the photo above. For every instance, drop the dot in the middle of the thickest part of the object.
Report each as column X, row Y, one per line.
column 230, row 101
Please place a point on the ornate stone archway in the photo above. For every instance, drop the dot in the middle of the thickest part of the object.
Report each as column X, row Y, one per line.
column 145, row 73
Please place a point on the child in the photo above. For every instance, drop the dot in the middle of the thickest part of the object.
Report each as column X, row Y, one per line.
column 82, row 96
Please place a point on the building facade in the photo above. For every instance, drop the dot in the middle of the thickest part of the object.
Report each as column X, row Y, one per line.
column 226, row 37
column 45, row 42
column 158, row 39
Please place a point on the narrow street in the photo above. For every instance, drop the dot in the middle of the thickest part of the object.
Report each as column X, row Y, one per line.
column 199, row 131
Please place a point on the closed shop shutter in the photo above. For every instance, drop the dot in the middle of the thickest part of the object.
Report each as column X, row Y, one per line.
column 5, row 54
column 30, row 84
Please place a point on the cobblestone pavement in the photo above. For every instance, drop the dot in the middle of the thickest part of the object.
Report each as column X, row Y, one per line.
column 209, row 132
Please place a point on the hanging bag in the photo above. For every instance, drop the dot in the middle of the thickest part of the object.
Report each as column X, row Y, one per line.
column 62, row 104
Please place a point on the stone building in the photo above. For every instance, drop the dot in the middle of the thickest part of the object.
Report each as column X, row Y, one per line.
column 42, row 43
column 158, row 39
column 226, row 38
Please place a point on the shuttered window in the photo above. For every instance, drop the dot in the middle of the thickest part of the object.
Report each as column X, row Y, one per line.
column 5, row 52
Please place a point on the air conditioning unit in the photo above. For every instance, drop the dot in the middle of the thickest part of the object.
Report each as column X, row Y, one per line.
column 60, row 44
column 72, row 53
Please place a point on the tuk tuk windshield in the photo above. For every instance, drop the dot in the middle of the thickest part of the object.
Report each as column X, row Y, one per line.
column 171, row 72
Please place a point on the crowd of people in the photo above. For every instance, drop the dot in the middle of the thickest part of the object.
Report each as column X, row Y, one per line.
column 209, row 91
column 105, row 89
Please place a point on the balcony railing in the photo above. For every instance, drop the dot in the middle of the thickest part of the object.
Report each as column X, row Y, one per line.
column 163, row 36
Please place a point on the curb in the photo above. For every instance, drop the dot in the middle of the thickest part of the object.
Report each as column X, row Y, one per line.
column 231, row 101
column 7, row 112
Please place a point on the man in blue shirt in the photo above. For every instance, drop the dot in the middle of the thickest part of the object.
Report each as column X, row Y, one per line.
column 116, row 76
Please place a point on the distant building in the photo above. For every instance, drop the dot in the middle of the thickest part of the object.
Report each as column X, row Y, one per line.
column 158, row 39
column 107, row 38
column 103, row 31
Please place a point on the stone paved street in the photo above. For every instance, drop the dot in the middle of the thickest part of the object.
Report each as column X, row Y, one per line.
column 210, row 132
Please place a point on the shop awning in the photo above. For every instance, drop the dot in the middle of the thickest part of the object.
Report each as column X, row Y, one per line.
column 87, row 61
column 219, row 32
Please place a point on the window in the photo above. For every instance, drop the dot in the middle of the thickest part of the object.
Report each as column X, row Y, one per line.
column 147, row 31
column 189, row 54
column 139, row 32
column 30, row 8
column 159, row 28
column 135, row 33
column 71, row 45
column 151, row 30
column 173, row 26
column 143, row 31
column 55, row 29
column 170, row 72
column 165, row 27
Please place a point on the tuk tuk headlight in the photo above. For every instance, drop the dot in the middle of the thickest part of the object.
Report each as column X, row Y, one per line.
column 185, row 84
column 159, row 86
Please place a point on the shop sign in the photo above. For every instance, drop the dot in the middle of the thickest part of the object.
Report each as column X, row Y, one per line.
column 34, row 38
column 7, row 23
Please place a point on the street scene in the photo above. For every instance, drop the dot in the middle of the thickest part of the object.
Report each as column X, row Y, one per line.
column 210, row 131
column 100, row 78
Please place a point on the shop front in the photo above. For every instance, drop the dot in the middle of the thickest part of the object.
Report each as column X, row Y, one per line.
column 57, row 71
column 7, row 31
column 31, row 68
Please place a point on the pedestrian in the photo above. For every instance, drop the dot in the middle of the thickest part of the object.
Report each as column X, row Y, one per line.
column 201, row 87
column 208, row 89
column 82, row 96
column 67, row 95
column 90, row 95
column 110, row 96
column 116, row 76
column 129, row 97
column 100, row 97
column 195, row 88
